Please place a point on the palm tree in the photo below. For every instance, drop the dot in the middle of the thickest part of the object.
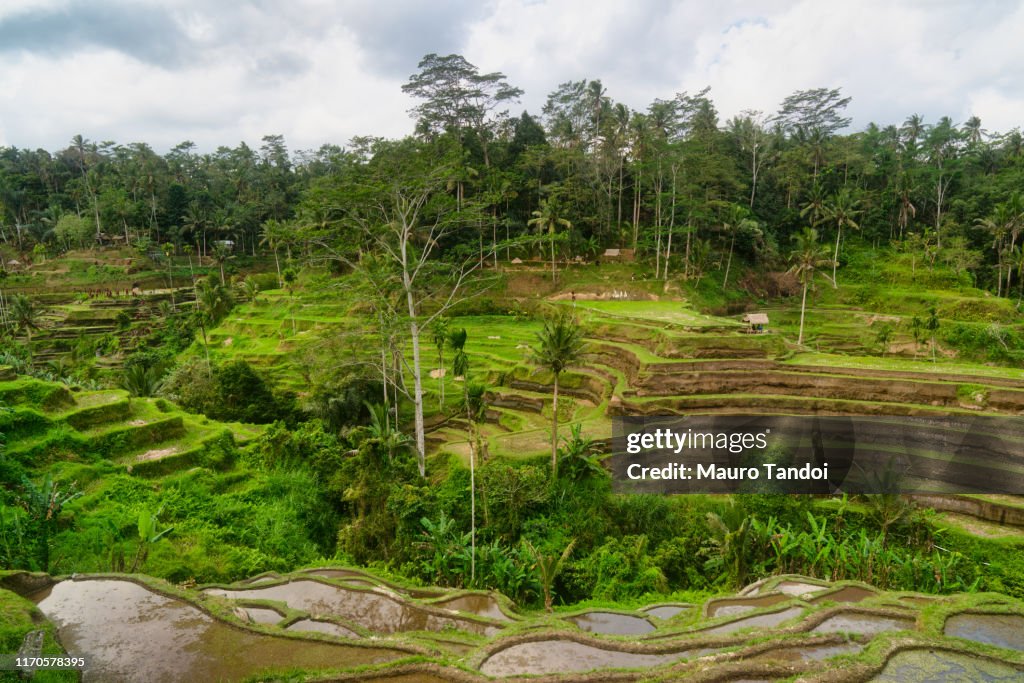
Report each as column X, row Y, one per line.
column 815, row 206
column 188, row 249
column 912, row 129
column 381, row 430
column 195, row 222
column 559, row 345
column 1001, row 225
column 168, row 250
column 731, row 225
column 440, row 331
column 213, row 301
column 1018, row 256
column 24, row 314
column 843, row 209
column 221, row 254
column 932, row 325
column 806, row 258
column 270, row 236
column 291, row 276
column 249, row 289
column 548, row 568
column 546, row 219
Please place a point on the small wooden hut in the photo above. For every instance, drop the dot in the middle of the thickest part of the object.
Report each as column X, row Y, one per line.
column 757, row 322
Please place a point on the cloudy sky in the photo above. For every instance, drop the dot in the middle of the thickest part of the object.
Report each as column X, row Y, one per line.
column 324, row 70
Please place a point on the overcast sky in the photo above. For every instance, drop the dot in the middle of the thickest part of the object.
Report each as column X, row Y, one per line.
column 321, row 71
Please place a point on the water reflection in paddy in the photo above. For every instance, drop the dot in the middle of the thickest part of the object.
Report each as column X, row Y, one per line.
column 371, row 610
column 1002, row 630
column 563, row 656
column 129, row 633
column 928, row 665
column 610, row 623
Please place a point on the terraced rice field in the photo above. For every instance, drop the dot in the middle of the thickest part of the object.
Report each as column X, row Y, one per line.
column 356, row 626
column 147, row 437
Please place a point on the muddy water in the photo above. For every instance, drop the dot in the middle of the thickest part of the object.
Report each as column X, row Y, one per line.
column 814, row 653
column 262, row 615
column 666, row 611
column 129, row 633
column 925, row 665
column 374, row 611
column 484, row 605
column 358, row 578
column 335, row 573
column 864, row 624
column 262, row 579
column 562, row 656
column 613, row 624
column 799, row 588
column 848, row 594
column 771, row 619
column 729, row 606
column 322, row 627
column 1002, row 630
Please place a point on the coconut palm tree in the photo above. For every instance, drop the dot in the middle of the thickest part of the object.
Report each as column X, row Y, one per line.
column 731, row 226
column 806, row 258
column 843, row 209
column 546, row 219
column 213, row 301
column 221, row 254
column 188, row 250
column 559, row 346
column 1001, row 224
column 249, row 289
column 815, row 206
column 270, row 237
column 24, row 314
column 440, row 334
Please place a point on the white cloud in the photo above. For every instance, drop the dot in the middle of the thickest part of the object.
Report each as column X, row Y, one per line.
column 317, row 72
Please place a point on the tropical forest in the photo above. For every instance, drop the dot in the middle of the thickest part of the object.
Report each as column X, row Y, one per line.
column 346, row 413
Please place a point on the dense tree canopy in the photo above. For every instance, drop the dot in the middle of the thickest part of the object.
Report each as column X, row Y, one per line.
column 664, row 181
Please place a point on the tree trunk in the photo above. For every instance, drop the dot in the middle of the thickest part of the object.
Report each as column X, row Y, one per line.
column 277, row 262
column 622, row 163
column 835, row 258
column 384, row 383
column 417, row 397
column 417, row 368
column 803, row 309
column 440, row 377
column 728, row 263
column 753, row 172
column 554, row 431
column 553, row 276
column 472, row 494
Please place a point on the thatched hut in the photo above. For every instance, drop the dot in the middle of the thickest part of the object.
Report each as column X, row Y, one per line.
column 756, row 322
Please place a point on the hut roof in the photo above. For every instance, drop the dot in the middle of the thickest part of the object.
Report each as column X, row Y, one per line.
column 756, row 318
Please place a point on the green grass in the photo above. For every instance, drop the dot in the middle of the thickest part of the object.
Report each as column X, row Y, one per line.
column 925, row 366
column 671, row 312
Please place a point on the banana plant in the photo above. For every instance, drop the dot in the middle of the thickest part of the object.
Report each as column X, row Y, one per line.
column 548, row 568
column 149, row 534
